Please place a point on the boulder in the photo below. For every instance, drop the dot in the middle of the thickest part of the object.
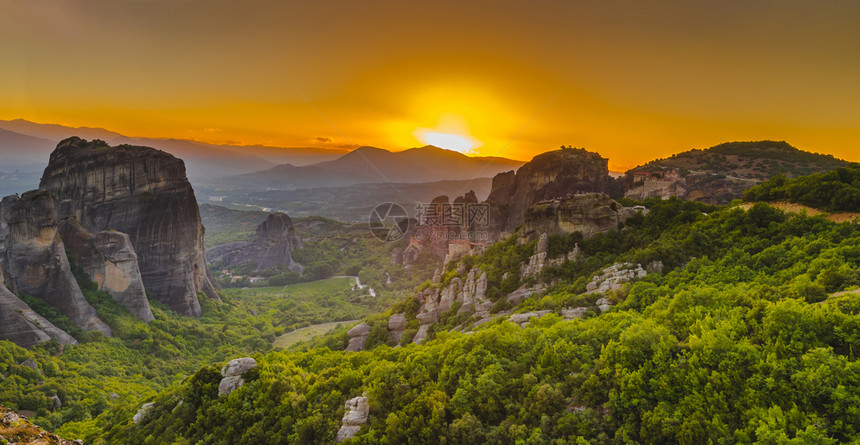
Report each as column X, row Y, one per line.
column 357, row 336
column 603, row 304
column 229, row 384
column 56, row 403
column 232, row 373
column 142, row 412
column 522, row 319
column 30, row 363
column 573, row 313
column 356, row 415
column 238, row 366
column 396, row 326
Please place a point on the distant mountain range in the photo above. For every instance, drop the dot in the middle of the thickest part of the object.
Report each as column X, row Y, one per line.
column 366, row 165
column 25, row 145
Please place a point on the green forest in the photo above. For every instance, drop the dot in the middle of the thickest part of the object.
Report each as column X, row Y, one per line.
column 745, row 337
column 834, row 191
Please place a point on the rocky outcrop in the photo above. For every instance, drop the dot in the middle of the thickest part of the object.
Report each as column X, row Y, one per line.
column 110, row 261
column 357, row 336
column 396, row 326
column 143, row 192
column 471, row 295
column 588, row 214
column 523, row 292
column 357, row 414
column 142, row 412
column 523, row 319
column 613, row 277
column 17, row 430
column 538, row 261
column 232, row 374
column 547, row 176
column 24, row 327
column 35, row 263
column 426, row 320
column 573, row 313
column 272, row 246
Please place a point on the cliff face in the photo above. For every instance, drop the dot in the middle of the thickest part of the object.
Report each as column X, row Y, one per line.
column 110, row 261
column 24, row 327
column 588, row 214
column 549, row 175
column 144, row 193
column 272, row 246
column 35, row 263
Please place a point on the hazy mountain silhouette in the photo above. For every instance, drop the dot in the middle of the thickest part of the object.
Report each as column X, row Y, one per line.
column 25, row 142
column 375, row 165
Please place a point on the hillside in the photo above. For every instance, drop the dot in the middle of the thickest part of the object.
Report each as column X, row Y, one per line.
column 722, row 173
column 833, row 191
column 729, row 334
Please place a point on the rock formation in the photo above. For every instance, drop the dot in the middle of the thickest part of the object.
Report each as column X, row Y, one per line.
column 22, row 326
column 34, row 261
column 357, row 413
column 357, row 336
column 613, row 277
column 110, row 261
column 523, row 319
column 232, row 374
column 142, row 412
column 548, row 176
column 143, row 192
column 588, row 214
column 17, row 430
column 539, row 260
column 396, row 326
column 272, row 246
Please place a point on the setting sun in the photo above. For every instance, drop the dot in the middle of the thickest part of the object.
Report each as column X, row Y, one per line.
column 448, row 141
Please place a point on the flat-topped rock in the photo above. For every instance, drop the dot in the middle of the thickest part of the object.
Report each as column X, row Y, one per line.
column 144, row 193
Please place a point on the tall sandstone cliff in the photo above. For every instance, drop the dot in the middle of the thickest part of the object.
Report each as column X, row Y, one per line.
column 588, row 214
column 144, row 193
column 34, row 261
column 549, row 175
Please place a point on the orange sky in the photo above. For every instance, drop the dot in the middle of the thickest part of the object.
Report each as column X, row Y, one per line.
column 632, row 80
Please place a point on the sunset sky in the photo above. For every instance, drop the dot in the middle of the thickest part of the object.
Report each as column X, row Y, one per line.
column 633, row 80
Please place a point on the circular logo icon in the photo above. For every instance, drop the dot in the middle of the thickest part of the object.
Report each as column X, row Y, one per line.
column 388, row 221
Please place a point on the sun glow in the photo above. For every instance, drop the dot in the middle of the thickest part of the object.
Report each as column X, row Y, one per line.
column 446, row 140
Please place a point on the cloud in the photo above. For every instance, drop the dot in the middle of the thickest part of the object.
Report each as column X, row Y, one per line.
column 322, row 139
